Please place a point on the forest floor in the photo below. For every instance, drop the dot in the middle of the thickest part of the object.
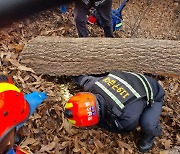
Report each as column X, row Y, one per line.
column 47, row 131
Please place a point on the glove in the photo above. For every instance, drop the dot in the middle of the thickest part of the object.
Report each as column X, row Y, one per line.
column 11, row 151
column 63, row 9
column 35, row 99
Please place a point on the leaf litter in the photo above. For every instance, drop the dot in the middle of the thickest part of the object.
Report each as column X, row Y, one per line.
column 47, row 131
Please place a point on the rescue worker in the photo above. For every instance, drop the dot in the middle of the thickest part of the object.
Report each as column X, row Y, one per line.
column 118, row 102
column 15, row 109
column 104, row 9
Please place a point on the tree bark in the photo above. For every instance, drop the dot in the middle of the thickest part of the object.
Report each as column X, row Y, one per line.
column 74, row 56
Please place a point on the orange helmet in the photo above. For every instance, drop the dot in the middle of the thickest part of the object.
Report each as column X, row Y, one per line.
column 14, row 109
column 81, row 109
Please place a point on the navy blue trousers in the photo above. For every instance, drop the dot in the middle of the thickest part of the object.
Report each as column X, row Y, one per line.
column 146, row 117
column 80, row 18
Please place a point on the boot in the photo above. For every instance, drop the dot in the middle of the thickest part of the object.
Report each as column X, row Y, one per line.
column 146, row 143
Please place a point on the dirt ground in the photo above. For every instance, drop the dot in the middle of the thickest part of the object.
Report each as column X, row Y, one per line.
column 47, row 131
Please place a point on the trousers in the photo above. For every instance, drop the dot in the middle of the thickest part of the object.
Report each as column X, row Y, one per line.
column 146, row 117
column 80, row 17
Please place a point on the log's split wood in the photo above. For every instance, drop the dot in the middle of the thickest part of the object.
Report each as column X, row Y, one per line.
column 74, row 56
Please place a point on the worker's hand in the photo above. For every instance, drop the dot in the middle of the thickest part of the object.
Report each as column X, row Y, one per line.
column 35, row 99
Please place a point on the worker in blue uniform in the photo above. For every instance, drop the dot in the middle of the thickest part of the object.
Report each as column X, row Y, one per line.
column 104, row 9
column 118, row 102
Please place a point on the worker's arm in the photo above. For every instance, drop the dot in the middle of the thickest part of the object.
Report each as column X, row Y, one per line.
column 34, row 99
column 85, row 81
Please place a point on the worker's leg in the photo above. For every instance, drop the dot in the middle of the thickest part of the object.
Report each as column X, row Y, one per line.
column 129, row 119
column 150, row 126
column 80, row 12
column 149, row 120
column 105, row 13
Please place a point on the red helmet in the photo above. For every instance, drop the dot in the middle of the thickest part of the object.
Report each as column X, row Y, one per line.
column 14, row 109
column 81, row 109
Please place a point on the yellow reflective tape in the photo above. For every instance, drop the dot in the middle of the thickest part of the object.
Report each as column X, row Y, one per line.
column 149, row 86
column 127, row 85
column 144, row 84
column 72, row 121
column 7, row 86
column 68, row 105
column 118, row 25
column 111, row 95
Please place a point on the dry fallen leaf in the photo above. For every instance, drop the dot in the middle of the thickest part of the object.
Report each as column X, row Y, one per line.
column 178, row 138
column 18, row 47
column 67, row 126
column 99, row 144
column 124, row 145
column 122, row 151
column 24, row 68
column 76, row 145
column 167, row 144
column 48, row 147
column 167, row 109
column 164, row 152
column 19, row 66
column 14, row 62
column 28, row 141
column 65, row 144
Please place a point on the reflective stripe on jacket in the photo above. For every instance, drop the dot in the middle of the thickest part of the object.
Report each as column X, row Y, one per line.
column 122, row 88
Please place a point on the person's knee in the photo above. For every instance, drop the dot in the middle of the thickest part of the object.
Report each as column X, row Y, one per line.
column 147, row 126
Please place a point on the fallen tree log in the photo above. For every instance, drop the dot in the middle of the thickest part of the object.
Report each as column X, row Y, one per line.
column 74, row 56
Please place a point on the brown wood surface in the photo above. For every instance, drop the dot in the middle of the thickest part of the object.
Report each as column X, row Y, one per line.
column 74, row 56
